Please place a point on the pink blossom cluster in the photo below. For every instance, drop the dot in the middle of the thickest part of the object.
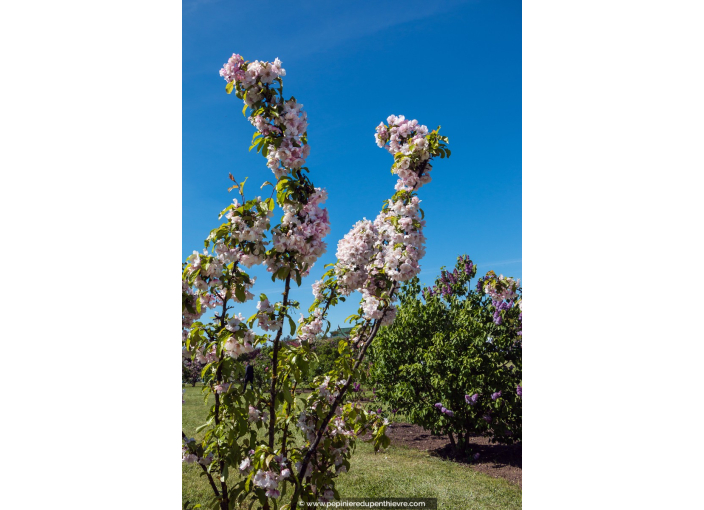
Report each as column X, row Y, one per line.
column 374, row 310
column 307, row 422
column 318, row 289
column 338, row 426
column 189, row 317
column 371, row 254
column 207, row 270
column 254, row 73
column 400, row 242
column 328, row 393
column 189, row 457
column 310, row 329
column 263, row 126
column 292, row 152
column 374, row 256
column 268, row 480
column 232, row 69
column 280, row 119
column 501, row 287
column 257, row 415
column 197, row 265
column 354, row 252
column 302, row 231
column 226, row 254
column 266, row 316
column 205, row 356
column 246, row 465
column 248, row 228
column 208, row 300
column 222, row 387
column 406, row 140
column 235, row 348
column 234, row 323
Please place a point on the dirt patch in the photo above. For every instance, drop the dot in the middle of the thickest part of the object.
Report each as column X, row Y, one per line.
column 496, row 460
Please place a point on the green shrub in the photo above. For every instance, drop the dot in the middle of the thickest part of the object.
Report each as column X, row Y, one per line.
column 451, row 361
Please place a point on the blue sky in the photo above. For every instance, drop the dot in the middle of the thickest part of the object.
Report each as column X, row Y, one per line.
column 452, row 63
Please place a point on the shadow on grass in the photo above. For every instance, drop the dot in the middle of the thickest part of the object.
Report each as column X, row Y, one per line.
column 500, row 455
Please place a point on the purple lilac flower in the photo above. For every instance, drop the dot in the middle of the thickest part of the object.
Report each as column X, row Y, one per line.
column 357, row 387
column 438, row 405
column 496, row 395
column 443, row 410
column 487, row 418
column 472, row 400
column 519, row 391
column 497, row 318
column 394, row 411
column 449, row 413
column 378, row 411
column 476, row 456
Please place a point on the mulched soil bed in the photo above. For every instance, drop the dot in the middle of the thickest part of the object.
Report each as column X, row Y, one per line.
column 498, row 461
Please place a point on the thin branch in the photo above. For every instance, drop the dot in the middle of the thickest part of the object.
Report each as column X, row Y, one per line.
column 274, row 364
column 210, row 477
column 323, row 426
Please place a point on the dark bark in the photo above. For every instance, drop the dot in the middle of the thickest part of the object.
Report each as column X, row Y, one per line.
column 326, row 420
column 205, row 470
column 274, row 366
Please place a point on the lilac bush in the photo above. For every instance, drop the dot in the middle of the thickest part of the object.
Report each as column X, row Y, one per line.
column 451, row 362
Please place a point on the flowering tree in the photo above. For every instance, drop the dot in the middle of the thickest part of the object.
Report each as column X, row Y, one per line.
column 253, row 433
column 452, row 361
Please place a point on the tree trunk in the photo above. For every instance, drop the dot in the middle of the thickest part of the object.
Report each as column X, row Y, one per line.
column 452, row 440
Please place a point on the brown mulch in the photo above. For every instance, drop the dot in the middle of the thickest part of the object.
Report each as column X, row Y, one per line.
column 496, row 460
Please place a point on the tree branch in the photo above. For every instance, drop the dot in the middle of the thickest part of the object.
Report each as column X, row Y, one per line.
column 210, row 477
column 336, row 402
column 274, row 364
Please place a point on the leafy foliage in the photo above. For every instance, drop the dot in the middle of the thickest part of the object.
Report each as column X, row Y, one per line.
column 448, row 363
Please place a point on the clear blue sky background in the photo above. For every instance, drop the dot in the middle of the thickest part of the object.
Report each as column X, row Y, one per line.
column 452, row 63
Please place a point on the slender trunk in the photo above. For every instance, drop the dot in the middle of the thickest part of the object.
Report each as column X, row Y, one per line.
column 283, row 443
column 224, row 500
column 452, row 440
column 324, row 424
column 274, row 366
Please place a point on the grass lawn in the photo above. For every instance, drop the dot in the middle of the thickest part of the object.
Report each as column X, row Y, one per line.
column 397, row 472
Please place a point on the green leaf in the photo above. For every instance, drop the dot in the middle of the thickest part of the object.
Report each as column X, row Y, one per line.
column 239, row 292
column 292, row 324
column 229, row 87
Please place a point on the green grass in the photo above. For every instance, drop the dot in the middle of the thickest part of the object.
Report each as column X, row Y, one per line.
column 396, row 472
